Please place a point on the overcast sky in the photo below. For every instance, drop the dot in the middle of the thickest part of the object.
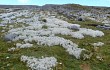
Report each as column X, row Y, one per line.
column 43, row 2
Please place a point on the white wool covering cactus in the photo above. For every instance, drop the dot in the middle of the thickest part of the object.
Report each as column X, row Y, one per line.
column 12, row 49
column 77, row 35
column 40, row 64
column 90, row 32
column 71, row 47
column 98, row 44
column 27, row 45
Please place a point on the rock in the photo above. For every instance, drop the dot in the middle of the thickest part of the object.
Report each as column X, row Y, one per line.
column 80, row 19
column 74, row 26
column 104, row 27
column 10, row 37
column 44, row 20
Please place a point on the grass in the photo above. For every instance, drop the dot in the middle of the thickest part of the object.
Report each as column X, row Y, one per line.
column 44, row 27
column 69, row 62
column 0, row 20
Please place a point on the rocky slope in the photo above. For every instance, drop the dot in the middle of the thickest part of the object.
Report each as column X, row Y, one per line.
column 72, row 11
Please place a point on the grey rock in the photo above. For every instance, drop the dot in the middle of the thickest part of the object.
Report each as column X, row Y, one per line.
column 10, row 37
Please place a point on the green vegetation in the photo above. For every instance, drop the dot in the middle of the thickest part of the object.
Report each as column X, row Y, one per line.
column 44, row 27
column 0, row 20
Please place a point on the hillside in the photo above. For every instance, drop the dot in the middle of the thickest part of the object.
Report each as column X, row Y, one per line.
column 72, row 11
column 19, row 6
column 54, row 37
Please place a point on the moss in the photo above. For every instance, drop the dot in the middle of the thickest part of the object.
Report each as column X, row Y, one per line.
column 44, row 27
column 1, row 20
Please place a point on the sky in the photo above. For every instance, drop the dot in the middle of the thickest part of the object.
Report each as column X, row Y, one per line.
column 43, row 2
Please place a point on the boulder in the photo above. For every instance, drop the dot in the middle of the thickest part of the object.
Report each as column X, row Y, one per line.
column 80, row 19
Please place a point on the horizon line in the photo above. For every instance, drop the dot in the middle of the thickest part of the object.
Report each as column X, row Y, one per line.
column 53, row 4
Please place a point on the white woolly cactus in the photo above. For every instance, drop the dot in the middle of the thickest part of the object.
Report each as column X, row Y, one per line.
column 40, row 64
column 27, row 45
column 98, row 44
column 90, row 32
column 11, row 49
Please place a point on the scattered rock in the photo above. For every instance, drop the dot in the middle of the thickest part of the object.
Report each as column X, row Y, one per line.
column 80, row 19
column 44, row 20
column 104, row 27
